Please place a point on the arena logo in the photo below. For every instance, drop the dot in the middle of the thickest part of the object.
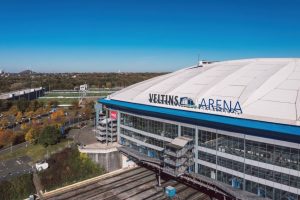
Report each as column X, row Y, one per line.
column 204, row 104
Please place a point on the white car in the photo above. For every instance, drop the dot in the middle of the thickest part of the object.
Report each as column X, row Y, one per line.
column 41, row 166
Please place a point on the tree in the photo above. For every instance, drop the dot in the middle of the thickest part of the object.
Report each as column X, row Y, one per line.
column 75, row 104
column 22, row 104
column 5, row 105
column 58, row 115
column 29, row 114
column 6, row 137
column 24, row 126
column 53, row 103
column 39, row 111
column 4, row 122
column 34, row 105
column 13, row 110
column 32, row 135
column 49, row 136
column 19, row 116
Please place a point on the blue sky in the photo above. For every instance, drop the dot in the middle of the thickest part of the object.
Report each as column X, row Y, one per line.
column 142, row 35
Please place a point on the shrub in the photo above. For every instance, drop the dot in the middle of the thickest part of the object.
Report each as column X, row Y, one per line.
column 17, row 187
column 73, row 166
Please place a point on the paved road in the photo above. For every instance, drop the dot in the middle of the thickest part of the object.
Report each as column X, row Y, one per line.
column 14, row 147
column 25, row 144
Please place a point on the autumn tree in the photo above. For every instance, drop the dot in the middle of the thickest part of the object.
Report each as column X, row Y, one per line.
column 24, row 127
column 6, row 137
column 4, row 122
column 34, row 105
column 19, row 116
column 29, row 114
column 32, row 135
column 13, row 110
column 89, row 109
column 39, row 111
column 75, row 104
column 58, row 115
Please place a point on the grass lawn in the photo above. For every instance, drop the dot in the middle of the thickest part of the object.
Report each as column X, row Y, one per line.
column 76, row 94
column 59, row 100
column 36, row 152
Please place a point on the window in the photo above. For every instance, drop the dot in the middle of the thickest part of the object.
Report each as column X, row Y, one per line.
column 151, row 126
column 187, row 131
column 207, row 139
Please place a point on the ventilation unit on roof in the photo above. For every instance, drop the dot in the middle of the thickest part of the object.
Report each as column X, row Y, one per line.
column 200, row 63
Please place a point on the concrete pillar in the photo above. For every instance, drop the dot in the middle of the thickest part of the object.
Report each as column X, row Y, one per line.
column 118, row 125
column 196, row 151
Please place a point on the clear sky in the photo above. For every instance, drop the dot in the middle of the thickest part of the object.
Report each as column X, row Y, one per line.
column 142, row 35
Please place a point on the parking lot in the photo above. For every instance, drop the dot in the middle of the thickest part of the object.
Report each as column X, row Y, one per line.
column 14, row 167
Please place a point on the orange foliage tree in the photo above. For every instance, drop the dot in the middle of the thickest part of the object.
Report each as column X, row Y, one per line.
column 58, row 115
column 6, row 137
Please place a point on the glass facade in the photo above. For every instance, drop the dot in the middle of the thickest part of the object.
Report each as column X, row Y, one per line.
column 252, row 150
column 142, row 138
column 187, row 131
column 142, row 149
column 227, row 153
column 250, row 186
column 150, row 126
column 207, row 139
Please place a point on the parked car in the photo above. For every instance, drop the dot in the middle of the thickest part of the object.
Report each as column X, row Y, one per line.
column 41, row 166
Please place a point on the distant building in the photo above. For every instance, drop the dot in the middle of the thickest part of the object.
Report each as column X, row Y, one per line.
column 28, row 94
column 83, row 87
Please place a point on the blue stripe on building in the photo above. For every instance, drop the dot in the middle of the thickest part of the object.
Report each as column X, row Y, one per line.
column 246, row 126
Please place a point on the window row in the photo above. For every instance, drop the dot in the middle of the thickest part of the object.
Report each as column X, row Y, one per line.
column 268, row 153
column 151, row 126
column 253, row 187
column 259, row 172
column 141, row 149
column 140, row 137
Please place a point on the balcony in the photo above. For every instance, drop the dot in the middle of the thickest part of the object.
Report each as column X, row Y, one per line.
column 138, row 156
column 180, row 153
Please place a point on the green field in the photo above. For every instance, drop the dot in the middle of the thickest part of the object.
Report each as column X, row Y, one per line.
column 59, row 100
column 36, row 152
column 75, row 94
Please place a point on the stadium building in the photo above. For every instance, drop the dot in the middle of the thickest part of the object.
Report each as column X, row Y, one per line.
column 234, row 123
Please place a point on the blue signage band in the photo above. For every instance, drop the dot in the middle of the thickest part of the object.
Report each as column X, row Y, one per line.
column 245, row 126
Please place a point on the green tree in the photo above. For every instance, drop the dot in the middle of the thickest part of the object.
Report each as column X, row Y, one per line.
column 49, row 136
column 22, row 104
column 5, row 105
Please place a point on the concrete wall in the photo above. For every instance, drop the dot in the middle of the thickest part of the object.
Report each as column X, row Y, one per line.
column 110, row 161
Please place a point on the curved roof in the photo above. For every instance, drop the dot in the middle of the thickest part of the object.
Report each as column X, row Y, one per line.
column 267, row 89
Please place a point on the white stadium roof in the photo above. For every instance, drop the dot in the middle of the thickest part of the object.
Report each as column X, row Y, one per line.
column 267, row 89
